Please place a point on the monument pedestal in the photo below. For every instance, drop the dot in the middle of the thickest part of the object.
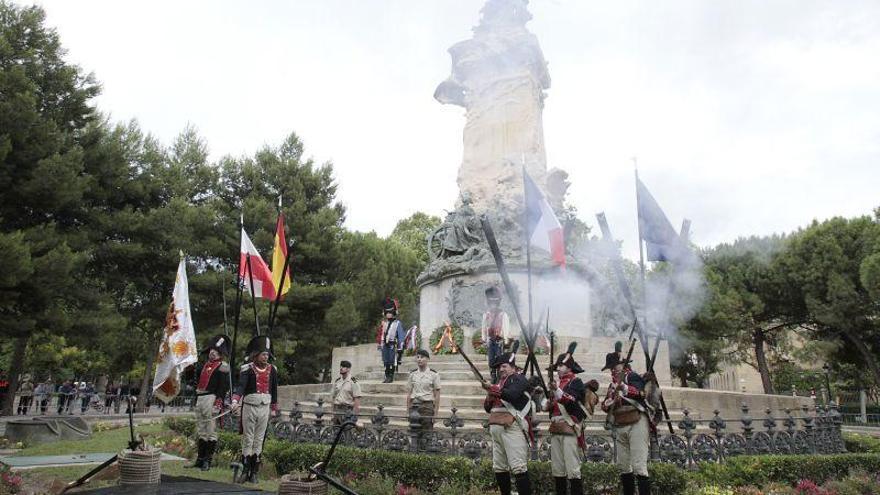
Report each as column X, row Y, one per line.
column 461, row 299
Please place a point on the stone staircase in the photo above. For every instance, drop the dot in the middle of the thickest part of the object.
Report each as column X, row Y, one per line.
column 460, row 390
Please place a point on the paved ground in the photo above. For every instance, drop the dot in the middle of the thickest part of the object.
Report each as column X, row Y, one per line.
column 865, row 430
column 41, row 461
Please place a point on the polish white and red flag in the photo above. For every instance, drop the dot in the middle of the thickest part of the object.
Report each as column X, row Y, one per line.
column 254, row 268
column 542, row 227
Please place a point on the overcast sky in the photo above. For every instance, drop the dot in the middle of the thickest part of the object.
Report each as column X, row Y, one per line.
column 748, row 117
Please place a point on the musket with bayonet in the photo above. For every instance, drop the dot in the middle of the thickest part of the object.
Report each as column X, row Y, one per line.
column 624, row 288
column 508, row 287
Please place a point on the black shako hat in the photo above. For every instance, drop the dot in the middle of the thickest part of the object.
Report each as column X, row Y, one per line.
column 389, row 306
column 219, row 343
column 507, row 357
column 259, row 344
column 567, row 359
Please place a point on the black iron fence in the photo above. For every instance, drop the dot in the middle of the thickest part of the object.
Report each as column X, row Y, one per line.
column 807, row 431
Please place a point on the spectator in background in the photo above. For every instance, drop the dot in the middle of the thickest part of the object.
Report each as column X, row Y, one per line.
column 25, row 394
column 4, row 386
column 86, row 391
column 65, row 396
column 43, row 394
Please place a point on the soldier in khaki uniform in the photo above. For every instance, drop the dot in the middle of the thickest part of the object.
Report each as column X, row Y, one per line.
column 424, row 391
column 625, row 403
column 346, row 395
column 257, row 395
column 508, row 405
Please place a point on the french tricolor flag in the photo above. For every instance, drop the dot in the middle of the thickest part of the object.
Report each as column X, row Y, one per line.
column 542, row 227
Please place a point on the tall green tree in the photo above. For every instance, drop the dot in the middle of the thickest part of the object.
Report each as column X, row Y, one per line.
column 763, row 306
column 413, row 233
column 831, row 263
column 44, row 110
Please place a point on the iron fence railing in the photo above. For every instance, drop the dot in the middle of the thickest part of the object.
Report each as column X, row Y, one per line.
column 94, row 403
column 807, row 431
column 857, row 419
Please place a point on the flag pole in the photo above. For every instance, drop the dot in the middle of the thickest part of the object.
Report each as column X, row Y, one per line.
column 239, row 287
column 274, row 312
column 529, row 330
column 253, row 297
column 644, row 339
column 272, row 305
column 223, row 296
column 508, row 287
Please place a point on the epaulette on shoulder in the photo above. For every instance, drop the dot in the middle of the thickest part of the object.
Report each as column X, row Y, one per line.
column 245, row 367
column 414, row 370
column 354, row 379
column 336, row 380
column 224, row 367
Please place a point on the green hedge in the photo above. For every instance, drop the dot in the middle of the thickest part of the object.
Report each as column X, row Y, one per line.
column 411, row 469
column 760, row 470
column 181, row 425
column 858, row 443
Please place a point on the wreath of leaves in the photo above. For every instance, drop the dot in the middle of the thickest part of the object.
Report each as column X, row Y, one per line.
column 479, row 346
column 457, row 336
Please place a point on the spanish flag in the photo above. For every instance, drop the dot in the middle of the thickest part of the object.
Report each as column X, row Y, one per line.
column 279, row 254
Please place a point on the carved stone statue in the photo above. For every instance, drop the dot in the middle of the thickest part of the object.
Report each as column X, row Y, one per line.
column 499, row 77
column 458, row 233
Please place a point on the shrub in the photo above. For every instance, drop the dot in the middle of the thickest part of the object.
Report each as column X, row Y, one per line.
column 455, row 472
column 855, row 484
column 861, row 443
column 181, row 425
column 788, row 469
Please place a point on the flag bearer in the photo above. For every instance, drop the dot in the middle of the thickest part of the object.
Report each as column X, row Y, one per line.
column 213, row 383
column 257, row 395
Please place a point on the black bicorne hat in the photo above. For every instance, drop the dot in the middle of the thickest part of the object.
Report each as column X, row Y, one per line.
column 258, row 344
column 507, row 357
column 612, row 359
column 219, row 343
column 567, row 359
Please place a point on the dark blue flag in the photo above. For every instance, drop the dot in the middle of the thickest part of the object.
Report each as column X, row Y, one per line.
column 662, row 243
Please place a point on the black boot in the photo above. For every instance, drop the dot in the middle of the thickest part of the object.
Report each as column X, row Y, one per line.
column 628, row 482
column 387, row 376
column 391, row 371
column 577, row 486
column 210, row 446
column 245, row 469
column 561, row 485
column 503, row 480
column 255, row 468
column 200, row 457
column 644, row 485
column 523, row 484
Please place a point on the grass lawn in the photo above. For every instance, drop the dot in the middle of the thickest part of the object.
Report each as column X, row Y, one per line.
column 113, row 441
column 102, row 441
